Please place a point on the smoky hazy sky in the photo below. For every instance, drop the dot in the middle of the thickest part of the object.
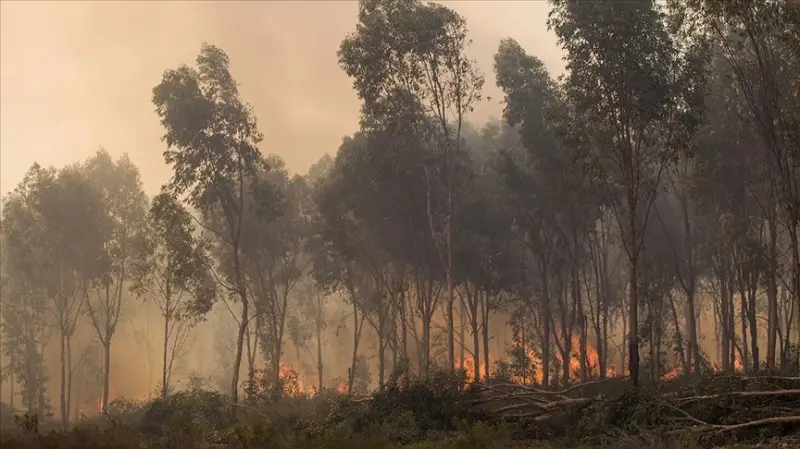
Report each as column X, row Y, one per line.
column 75, row 76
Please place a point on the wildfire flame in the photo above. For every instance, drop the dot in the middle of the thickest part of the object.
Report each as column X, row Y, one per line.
column 295, row 385
column 673, row 373
column 340, row 387
column 592, row 362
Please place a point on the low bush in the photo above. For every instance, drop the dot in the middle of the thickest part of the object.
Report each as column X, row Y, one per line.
column 443, row 412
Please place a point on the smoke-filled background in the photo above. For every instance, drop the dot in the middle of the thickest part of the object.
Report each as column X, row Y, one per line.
column 78, row 76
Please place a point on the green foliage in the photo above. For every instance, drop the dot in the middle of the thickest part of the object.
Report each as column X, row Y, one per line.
column 186, row 411
column 435, row 414
column 123, row 411
column 53, row 223
column 435, row 403
column 175, row 274
column 55, row 231
column 125, row 204
column 211, row 134
column 617, row 416
column 177, row 262
column 398, row 45
column 24, row 327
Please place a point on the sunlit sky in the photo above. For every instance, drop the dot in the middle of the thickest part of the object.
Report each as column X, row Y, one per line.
column 75, row 76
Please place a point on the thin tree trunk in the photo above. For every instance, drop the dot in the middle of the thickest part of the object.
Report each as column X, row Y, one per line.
column 633, row 298
column 584, row 348
column 237, row 361
column 63, row 396
column 624, row 352
column 547, row 330
column 462, row 318
column 772, row 290
column 450, row 288
column 751, row 315
column 582, row 333
column 382, row 339
column 652, row 345
column 731, row 325
column 476, row 347
column 603, row 354
column 426, row 347
column 69, row 376
column 356, row 339
column 403, row 326
column 354, row 359
column 485, row 328
column 633, row 325
column 725, row 341
column 164, row 366
column 745, row 349
column 319, row 346
column 252, row 348
column 681, row 352
column 691, row 309
column 106, row 372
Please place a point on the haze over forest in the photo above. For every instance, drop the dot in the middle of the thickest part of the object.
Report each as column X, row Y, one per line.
column 279, row 198
column 85, row 70
column 79, row 75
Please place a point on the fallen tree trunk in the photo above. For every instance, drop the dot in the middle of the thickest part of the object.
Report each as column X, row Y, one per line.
column 521, row 402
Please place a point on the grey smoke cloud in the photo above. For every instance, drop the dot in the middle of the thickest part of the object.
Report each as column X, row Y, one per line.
column 78, row 75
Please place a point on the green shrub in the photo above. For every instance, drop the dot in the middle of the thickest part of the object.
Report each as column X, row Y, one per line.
column 438, row 413
column 435, row 404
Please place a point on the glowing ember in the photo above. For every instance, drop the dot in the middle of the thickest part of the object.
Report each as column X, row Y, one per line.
column 673, row 373
column 340, row 387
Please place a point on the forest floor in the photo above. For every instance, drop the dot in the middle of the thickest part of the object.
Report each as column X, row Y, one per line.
column 444, row 412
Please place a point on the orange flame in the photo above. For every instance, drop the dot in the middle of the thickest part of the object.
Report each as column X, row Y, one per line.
column 295, row 385
column 468, row 365
column 340, row 387
column 673, row 373
column 592, row 361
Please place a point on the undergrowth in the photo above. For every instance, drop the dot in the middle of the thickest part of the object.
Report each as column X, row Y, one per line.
column 439, row 413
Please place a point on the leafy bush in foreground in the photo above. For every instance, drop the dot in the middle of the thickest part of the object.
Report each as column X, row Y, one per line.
column 440, row 413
